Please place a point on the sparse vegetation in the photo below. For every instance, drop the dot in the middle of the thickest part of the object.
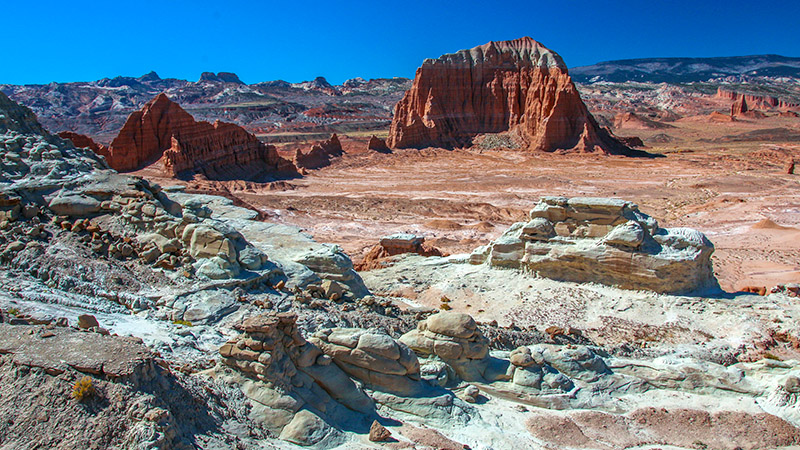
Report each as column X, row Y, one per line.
column 769, row 355
column 83, row 389
column 13, row 311
column 185, row 323
column 445, row 307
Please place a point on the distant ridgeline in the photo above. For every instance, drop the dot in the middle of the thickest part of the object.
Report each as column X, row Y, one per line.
column 687, row 70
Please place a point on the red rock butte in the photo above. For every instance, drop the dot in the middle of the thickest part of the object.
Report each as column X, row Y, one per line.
column 756, row 101
column 81, row 140
column 518, row 86
column 162, row 130
column 320, row 154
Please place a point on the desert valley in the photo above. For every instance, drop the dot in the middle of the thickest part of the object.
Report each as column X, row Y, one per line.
column 500, row 253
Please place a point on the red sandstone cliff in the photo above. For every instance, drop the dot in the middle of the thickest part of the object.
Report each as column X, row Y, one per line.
column 81, row 140
column 633, row 121
column 163, row 130
column 516, row 85
column 320, row 154
column 377, row 144
column 756, row 101
column 739, row 107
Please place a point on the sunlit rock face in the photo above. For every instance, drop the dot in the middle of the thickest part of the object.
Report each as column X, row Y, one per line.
column 518, row 86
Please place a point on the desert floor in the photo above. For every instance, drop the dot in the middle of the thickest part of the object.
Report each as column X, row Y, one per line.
column 725, row 179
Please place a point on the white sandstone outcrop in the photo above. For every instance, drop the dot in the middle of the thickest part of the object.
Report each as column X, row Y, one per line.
column 606, row 241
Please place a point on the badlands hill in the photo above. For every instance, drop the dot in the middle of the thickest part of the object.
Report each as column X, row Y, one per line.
column 162, row 131
column 99, row 108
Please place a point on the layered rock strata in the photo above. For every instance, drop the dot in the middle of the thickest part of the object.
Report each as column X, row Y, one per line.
column 605, row 241
column 168, row 235
column 756, row 101
column 455, row 339
column 296, row 390
column 372, row 357
column 518, row 86
column 551, row 368
column 739, row 107
column 396, row 244
column 163, row 131
column 119, row 217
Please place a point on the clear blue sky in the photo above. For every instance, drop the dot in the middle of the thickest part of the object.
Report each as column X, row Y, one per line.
column 76, row 40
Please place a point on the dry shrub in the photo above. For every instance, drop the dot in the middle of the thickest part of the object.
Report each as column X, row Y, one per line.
column 83, row 389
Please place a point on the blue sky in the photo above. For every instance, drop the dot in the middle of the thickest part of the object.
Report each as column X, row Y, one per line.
column 78, row 40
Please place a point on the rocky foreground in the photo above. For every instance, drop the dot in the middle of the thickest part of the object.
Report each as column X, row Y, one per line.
column 140, row 317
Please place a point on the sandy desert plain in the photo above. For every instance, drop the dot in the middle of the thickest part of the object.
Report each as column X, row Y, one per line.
column 737, row 193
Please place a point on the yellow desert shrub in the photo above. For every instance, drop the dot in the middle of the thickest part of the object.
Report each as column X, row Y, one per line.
column 83, row 389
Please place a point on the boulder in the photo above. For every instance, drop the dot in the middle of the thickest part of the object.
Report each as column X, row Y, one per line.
column 86, row 321
column 372, row 357
column 304, row 398
column 252, row 258
column 206, row 242
column 629, row 234
column 471, row 393
column 74, row 205
column 160, row 242
column 549, row 368
column 378, row 433
column 453, row 324
column 453, row 338
column 306, row 428
column 332, row 289
column 329, row 262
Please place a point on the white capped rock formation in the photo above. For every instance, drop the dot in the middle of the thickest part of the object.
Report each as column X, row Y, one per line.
column 607, row 241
